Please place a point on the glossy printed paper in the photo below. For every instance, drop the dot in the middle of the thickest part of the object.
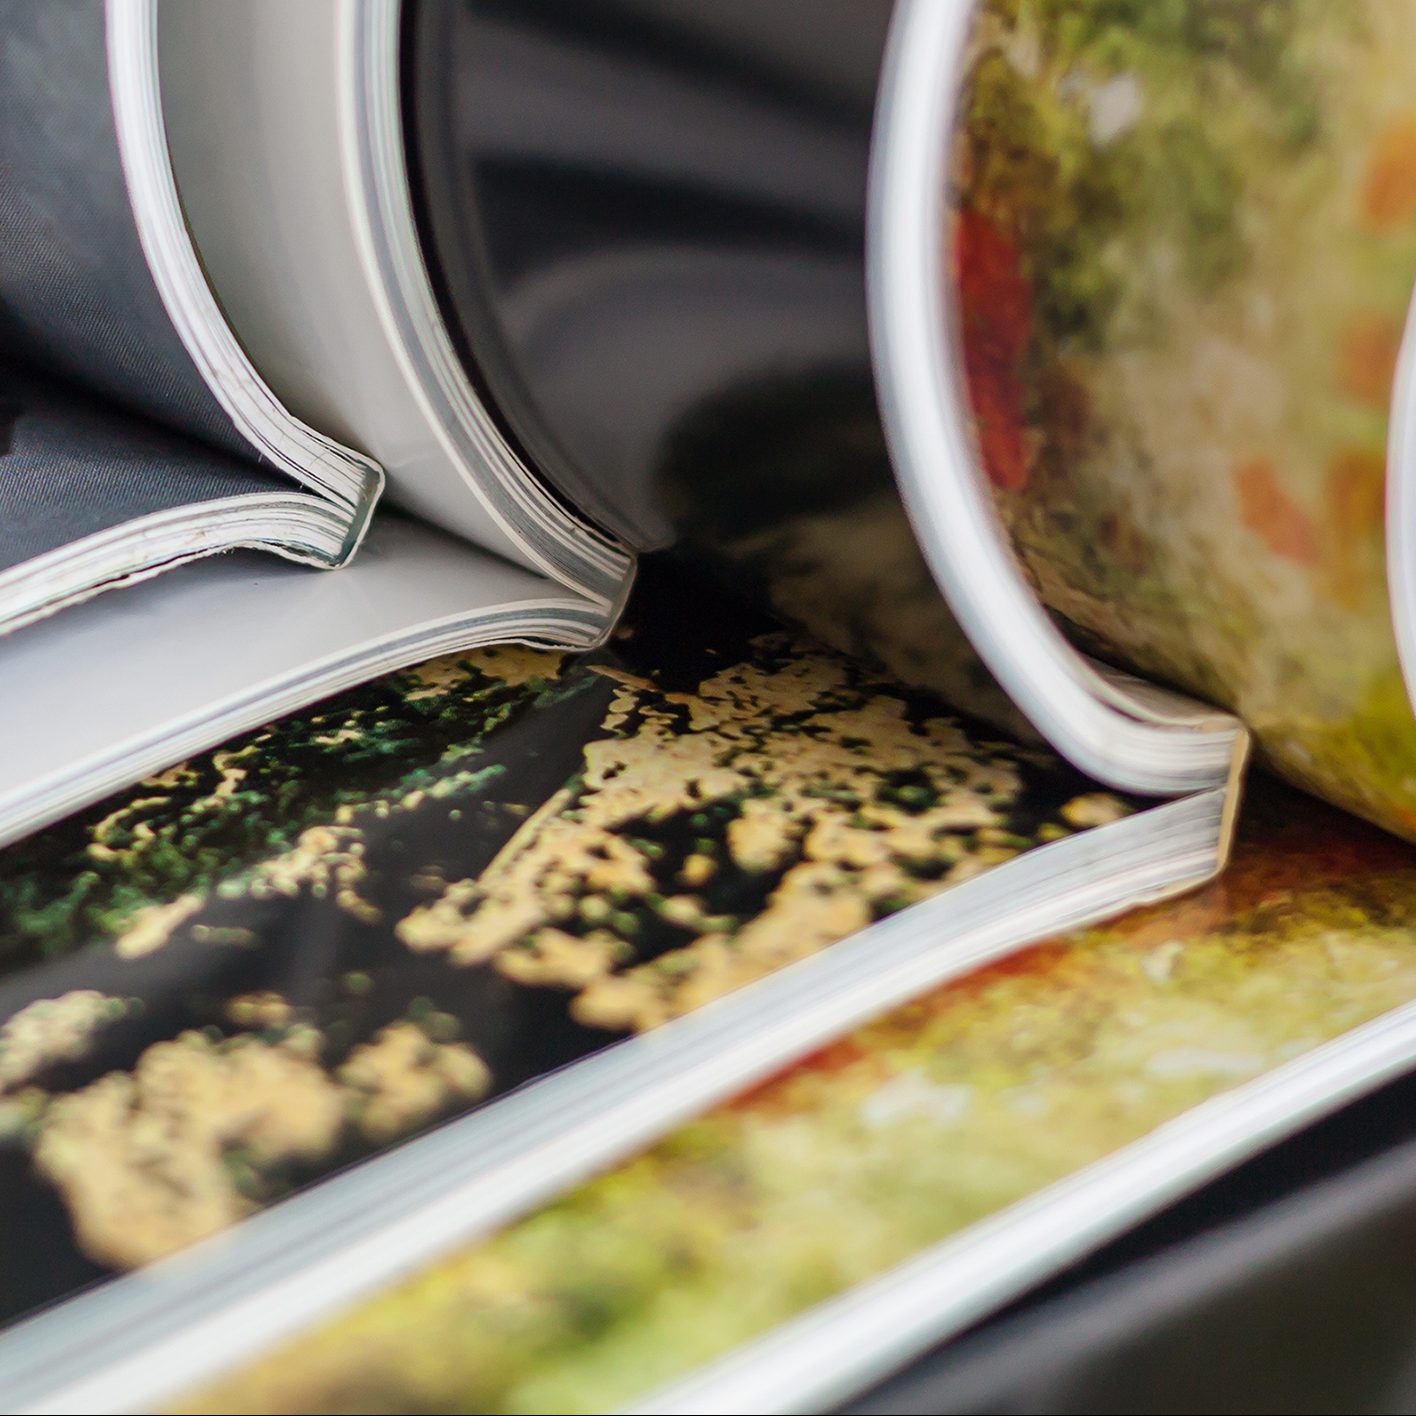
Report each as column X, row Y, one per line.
column 898, row 1136
column 1184, row 247
column 290, row 953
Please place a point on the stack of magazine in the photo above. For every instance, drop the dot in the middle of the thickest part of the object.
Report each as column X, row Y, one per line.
column 1006, row 406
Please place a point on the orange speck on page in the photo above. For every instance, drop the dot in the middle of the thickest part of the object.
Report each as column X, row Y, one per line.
column 1268, row 510
column 1367, row 357
column 1354, row 499
column 1389, row 190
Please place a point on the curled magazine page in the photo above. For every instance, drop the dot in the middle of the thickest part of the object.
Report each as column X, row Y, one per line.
column 717, row 847
column 130, row 684
column 93, row 499
column 103, row 297
column 699, row 277
column 1181, row 388
column 73, row 469
column 919, row 1129
column 1317, row 1226
column 284, row 129
column 76, row 295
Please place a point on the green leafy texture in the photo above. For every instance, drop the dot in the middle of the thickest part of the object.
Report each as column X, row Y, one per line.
column 190, row 828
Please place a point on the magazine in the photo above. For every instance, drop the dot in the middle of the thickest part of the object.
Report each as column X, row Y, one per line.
column 898, row 1185
column 557, row 903
column 884, row 1192
column 289, row 339
column 894, row 317
column 152, row 419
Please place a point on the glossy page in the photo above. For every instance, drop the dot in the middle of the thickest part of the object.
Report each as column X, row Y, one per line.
column 1183, row 253
column 288, row 954
column 1290, row 1274
column 131, row 683
column 72, row 466
column 76, row 295
column 646, row 226
column 646, row 222
column 907, row 1133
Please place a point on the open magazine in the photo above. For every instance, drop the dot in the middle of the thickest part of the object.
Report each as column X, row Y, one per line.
column 196, row 338
column 896, row 316
column 274, row 264
column 782, row 1251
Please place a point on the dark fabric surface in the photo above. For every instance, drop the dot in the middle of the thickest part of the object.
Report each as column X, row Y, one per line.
column 75, row 293
column 71, row 466
column 1288, row 1286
